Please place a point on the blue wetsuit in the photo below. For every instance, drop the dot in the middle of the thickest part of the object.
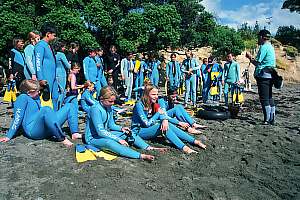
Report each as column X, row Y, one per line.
column 41, row 122
column 190, row 80
column 100, row 72
column 62, row 67
column 102, row 132
column 139, row 81
column 206, row 82
column 29, row 57
column 127, row 68
column 46, row 68
column 173, row 73
column 231, row 75
column 176, row 112
column 217, row 68
column 91, row 72
column 87, row 100
column 154, row 73
column 147, row 126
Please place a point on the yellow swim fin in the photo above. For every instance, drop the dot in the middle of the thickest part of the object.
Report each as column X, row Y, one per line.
column 7, row 96
column 130, row 102
column 46, row 97
column 214, row 90
column 82, row 154
column 101, row 154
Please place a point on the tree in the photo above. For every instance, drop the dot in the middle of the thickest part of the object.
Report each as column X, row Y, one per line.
column 288, row 35
column 225, row 40
column 292, row 5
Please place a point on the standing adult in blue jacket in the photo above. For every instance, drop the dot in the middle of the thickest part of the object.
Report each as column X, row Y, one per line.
column 189, row 67
column 33, row 38
column 45, row 61
column 16, row 63
column 40, row 122
column 173, row 72
column 149, row 121
column 102, row 131
column 265, row 63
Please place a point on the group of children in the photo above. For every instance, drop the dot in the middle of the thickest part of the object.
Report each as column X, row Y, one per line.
column 40, row 67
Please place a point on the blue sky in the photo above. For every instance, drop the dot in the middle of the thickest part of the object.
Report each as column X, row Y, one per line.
column 235, row 12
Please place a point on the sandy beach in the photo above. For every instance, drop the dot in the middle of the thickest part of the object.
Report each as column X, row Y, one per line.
column 244, row 160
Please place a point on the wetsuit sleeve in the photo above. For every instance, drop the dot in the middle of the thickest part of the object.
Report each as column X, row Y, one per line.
column 85, row 68
column 196, row 66
column 19, row 112
column 10, row 62
column 29, row 55
column 143, row 118
column 224, row 72
column 112, row 125
column 39, row 56
column 65, row 62
column 88, row 98
column 99, row 125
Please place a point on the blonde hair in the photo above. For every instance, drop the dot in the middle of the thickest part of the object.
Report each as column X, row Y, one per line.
column 106, row 92
column 28, row 85
column 145, row 98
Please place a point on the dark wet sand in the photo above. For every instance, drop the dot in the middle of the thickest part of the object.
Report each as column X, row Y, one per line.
column 244, row 160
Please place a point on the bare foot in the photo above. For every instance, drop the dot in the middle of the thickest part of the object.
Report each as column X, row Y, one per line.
column 161, row 150
column 193, row 131
column 76, row 136
column 195, row 125
column 67, row 143
column 147, row 157
column 200, row 144
column 188, row 150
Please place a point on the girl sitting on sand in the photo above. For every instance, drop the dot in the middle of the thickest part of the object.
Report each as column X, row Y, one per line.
column 178, row 114
column 102, row 132
column 149, row 121
column 40, row 122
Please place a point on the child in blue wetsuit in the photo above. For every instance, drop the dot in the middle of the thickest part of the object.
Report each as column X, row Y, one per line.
column 62, row 68
column 101, row 80
column 40, row 122
column 173, row 72
column 205, row 80
column 127, row 68
column 45, row 62
column 154, row 66
column 149, row 121
column 189, row 68
column 90, row 69
column 33, row 38
column 102, row 132
column 87, row 97
column 178, row 114
column 17, row 64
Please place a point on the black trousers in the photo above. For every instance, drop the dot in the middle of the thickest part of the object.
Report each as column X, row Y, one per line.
column 265, row 91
